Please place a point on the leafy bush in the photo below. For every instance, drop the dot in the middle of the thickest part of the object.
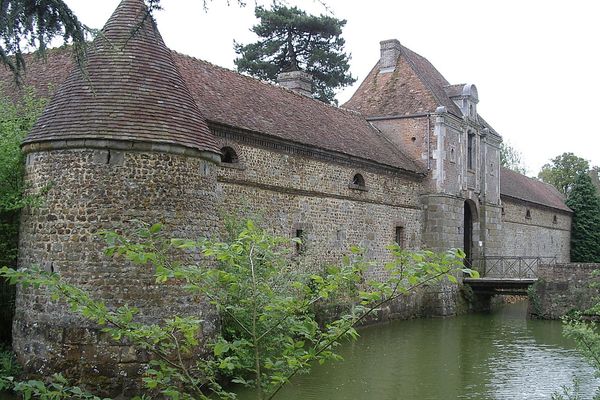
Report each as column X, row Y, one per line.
column 268, row 328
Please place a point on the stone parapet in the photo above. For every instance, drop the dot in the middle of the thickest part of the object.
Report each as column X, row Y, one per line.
column 562, row 288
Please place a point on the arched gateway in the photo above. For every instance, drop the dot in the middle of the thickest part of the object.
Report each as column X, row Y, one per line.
column 470, row 217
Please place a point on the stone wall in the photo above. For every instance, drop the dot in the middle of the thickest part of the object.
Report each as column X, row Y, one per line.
column 562, row 288
column 289, row 192
column 94, row 190
column 530, row 230
column 293, row 192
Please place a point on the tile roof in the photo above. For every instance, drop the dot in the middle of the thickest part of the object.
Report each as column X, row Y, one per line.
column 227, row 97
column 454, row 90
column 131, row 90
column 414, row 87
column 515, row 185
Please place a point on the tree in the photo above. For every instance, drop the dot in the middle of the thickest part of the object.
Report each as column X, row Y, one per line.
column 511, row 158
column 595, row 175
column 27, row 25
column 585, row 232
column 16, row 119
column 268, row 308
column 292, row 40
column 563, row 170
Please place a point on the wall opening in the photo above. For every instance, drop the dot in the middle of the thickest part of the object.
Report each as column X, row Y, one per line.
column 358, row 180
column 470, row 217
column 471, row 151
column 300, row 243
column 229, row 156
column 399, row 236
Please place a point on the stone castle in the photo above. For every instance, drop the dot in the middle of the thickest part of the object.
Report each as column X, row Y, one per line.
column 150, row 134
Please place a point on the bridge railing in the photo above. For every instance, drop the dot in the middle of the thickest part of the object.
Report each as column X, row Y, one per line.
column 509, row 267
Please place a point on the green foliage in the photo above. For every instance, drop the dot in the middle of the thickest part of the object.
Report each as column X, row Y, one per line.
column 562, row 171
column 16, row 119
column 267, row 307
column 585, row 229
column 511, row 158
column 57, row 387
column 292, row 40
column 571, row 392
column 34, row 24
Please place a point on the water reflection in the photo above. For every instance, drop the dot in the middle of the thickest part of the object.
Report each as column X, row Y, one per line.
column 489, row 356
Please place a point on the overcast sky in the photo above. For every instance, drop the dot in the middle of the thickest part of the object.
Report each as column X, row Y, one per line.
column 536, row 63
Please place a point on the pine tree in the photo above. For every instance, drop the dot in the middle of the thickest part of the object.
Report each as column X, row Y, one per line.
column 30, row 25
column 292, row 40
column 585, row 232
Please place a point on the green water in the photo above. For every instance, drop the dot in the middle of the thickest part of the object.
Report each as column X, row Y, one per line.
column 500, row 355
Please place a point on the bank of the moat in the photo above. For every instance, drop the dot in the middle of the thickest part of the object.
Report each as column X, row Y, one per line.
column 499, row 355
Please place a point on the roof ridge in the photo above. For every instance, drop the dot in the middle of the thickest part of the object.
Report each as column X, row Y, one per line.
column 418, row 72
column 268, row 83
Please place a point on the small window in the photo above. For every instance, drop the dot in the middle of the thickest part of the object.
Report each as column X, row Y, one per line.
column 229, row 156
column 471, row 151
column 358, row 182
column 555, row 220
column 528, row 214
column 503, row 211
column 399, row 239
column 300, row 245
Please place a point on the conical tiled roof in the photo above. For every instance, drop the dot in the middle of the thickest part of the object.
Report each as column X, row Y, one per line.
column 129, row 90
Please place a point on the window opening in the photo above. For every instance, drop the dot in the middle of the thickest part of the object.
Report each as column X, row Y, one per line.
column 228, row 156
column 528, row 214
column 300, row 244
column 400, row 236
column 358, row 180
column 471, row 151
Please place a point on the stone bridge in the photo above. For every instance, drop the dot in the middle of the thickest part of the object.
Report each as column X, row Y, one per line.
column 505, row 275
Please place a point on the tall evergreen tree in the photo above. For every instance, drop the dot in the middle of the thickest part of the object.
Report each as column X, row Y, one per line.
column 292, row 40
column 30, row 25
column 585, row 232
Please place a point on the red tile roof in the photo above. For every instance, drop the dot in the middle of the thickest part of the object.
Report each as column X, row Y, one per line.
column 131, row 90
column 232, row 99
column 515, row 185
column 414, row 87
column 227, row 97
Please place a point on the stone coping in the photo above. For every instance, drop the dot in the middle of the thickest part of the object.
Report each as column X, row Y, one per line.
column 122, row 145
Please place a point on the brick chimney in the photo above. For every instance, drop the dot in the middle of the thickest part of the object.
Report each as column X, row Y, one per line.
column 390, row 51
column 298, row 81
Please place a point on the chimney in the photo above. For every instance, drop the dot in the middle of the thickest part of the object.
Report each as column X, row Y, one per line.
column 298, row 81
column 390, row 51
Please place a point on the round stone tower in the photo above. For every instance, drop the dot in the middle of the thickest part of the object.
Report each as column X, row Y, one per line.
column 122, row 140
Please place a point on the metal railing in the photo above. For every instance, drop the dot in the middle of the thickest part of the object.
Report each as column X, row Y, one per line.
column 509, row 267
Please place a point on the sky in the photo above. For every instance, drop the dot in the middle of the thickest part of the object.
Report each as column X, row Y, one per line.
column 536, row 63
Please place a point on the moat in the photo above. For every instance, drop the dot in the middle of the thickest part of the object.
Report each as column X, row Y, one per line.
column 499, row 355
